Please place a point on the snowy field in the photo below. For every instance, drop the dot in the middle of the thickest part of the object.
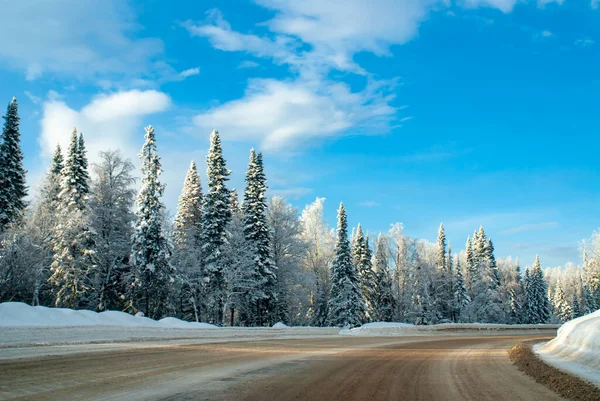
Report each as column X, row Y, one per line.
column 576, row 348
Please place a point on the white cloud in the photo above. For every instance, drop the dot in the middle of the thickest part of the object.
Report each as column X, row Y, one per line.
column 248, row 64
column 108, row 122
column 369, row 204
column 542, row 3
column 72, row 37
column 584, row 42
column 506, row 6
column 546, row 34
column 190, row 72
column 280, row 113
column 34, row 99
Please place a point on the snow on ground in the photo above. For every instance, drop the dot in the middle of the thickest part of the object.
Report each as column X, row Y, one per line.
column 20, row 314
column 576, row 348
column 280, row 325
column 405, row 329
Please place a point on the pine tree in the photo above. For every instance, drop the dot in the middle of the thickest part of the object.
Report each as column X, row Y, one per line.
column 346, row 305
column 13, row 190
column 257, row 234
column 384, row 301
column 367, row 279
column 358, row 240
column 75, row 187
column 74, row 249
column 562, row 308
column 471, row 269
column 441, row 288
column 575, row 308
column 151, row 249
column 188, row 223
column 187, row 258
column 538, row 305
column 216, row 217
column 461, row 296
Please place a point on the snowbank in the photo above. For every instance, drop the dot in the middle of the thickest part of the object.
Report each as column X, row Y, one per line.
column 576, row 348
column 280, row 325
column 405, row 329
column 20, row 314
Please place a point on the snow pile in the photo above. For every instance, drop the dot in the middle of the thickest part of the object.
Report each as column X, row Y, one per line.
column 20, row 314
column 576, row 348
column 384, row 329
column 280, row 325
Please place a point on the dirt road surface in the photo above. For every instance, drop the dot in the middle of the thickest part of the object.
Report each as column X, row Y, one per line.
column 334, row 368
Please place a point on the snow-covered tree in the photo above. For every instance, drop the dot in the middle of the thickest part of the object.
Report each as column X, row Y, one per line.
column 383, row 302
column 287, row 248
column 441, row 285
column 216, row 217
column 239, row 274
column 188, row 223
column 258, row 236
column 562, row 308
column 111, row 219
column 401, row 276
column 575, row 308
column 187, row 258
column 536, row 295
column 317, row 259
column 13, row 190
column 151, row 250
column 461, row 296
column 346, row 305
column 361, row 257
column 74, row 259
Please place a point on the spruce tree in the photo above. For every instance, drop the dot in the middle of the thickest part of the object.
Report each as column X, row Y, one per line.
column 151, row 249
column 384, row 303
column 575, row 308
column 461, row 296
column 562, row 308
column 257, row 234
column 346, row 305
column 216, row 217
column 74, row 249
column 188, row 225
column 441, row 289
column 13, row 190
column 471, row 269
column 538, row 305
column 367, row 279
column 188, row 222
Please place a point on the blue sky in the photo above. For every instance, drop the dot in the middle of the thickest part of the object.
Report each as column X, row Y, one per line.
column 418, row 111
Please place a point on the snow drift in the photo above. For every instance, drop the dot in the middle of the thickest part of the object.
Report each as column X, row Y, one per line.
column 20, row 314
column 404, row 329
column 576, row 348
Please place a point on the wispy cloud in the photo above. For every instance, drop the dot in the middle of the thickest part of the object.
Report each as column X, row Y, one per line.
column 584, row 42
column 190, row 72
column 34, row 99
column 530, row 227
column 403, row 119
column 369, row 204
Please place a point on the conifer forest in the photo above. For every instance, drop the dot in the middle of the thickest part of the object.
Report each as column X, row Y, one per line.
column 92, row 236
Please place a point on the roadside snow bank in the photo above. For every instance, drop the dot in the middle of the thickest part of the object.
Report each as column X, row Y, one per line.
column 19, row 314
column 280, row 325
column 404, row 329
column 576, row 348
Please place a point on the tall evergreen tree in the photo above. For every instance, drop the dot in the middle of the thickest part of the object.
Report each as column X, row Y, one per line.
column 562, row 308
column 216, row 217
column 441, row 286
column 536, row 294
column 13, row 190
column 187, row 257
column 384, row 303
column 461, row 296
column 74, row 255
column 575, row 308
column 151, row 249
column 367, row 279
column 471, row 269
column 258, row 236
column 346, row 305
column 188, row 223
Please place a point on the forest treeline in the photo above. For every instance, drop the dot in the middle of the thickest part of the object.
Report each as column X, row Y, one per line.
column 93, row 237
